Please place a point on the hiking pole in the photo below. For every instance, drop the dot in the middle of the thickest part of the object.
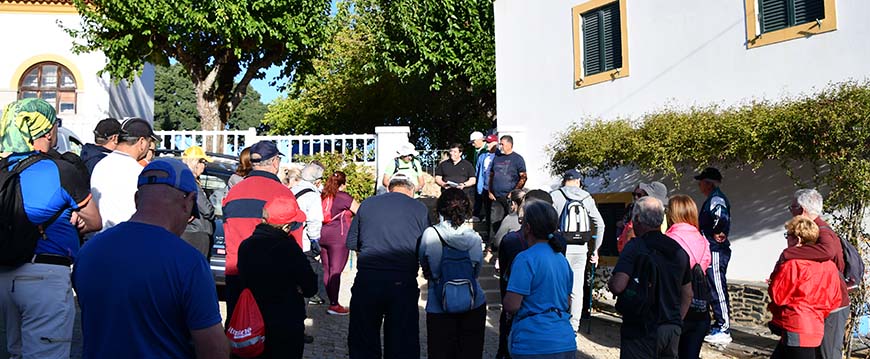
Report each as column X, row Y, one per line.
column 591, row 288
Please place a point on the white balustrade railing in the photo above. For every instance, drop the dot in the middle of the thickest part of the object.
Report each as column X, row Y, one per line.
column 362, row 147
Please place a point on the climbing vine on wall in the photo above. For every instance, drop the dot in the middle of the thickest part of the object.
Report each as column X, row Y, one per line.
column 828, row 130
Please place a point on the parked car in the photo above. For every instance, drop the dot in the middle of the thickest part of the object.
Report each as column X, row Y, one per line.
column 67, row 141
column 214, row 184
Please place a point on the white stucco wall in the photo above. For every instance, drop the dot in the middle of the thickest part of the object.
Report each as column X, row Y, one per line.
column 681, row 53
column 97, row 96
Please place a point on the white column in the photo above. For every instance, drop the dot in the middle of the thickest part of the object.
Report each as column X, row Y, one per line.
column 389, row 138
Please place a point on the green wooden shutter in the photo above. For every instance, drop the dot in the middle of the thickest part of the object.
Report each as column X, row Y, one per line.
column 612, row 38
column 591, row 44
column 602, row 40
column 773, row 14
column 808, row 11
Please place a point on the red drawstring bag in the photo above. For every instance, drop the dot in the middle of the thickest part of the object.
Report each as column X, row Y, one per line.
column 247, row 332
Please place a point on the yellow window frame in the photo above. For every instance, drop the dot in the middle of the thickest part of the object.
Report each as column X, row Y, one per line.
column 755, row 39
column 579, row 79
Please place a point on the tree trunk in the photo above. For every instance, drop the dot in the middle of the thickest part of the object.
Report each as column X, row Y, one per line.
column 209, row 112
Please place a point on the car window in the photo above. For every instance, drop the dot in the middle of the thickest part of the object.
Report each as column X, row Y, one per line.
column 216, row 189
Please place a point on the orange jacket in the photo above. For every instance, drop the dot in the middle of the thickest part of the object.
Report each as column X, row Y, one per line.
column 802, row 294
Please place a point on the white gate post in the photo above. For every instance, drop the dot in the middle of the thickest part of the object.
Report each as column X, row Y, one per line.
column 389, row 138
column 250, row 139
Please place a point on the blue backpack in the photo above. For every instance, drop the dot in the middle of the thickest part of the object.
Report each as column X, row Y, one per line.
column 456, row 287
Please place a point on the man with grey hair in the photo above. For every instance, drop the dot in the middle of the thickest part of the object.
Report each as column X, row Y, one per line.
column 307, row 192
column 809, row 203
column 656, row 335
column 385, row 233
column 714, row 221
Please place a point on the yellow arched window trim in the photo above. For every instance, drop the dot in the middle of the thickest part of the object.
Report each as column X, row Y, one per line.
column 26, row 64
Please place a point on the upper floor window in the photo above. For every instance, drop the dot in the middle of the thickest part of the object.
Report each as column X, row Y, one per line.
column 51, row 82
column 600, row 45
column 772, row 21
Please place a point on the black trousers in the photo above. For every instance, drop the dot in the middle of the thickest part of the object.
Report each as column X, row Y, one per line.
column 663, row 343
column 692, row 337
column 504, row 326
column 317, row 267
column 783, row 351
column 498, row 210
column 392, row 303
column 456, row 335
column 232, row 290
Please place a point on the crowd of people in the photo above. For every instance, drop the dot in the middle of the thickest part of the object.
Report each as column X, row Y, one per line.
column 143, row 281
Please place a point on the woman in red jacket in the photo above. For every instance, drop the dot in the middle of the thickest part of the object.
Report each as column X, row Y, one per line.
column 802, row 293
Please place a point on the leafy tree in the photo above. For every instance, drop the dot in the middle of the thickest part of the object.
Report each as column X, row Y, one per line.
column 352, row 89
column 175, row 103
column 214, row 41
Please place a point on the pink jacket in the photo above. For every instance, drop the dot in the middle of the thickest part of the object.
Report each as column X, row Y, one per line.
column 695, row 245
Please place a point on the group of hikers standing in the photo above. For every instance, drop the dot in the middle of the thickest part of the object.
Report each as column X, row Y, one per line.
column 145, row 287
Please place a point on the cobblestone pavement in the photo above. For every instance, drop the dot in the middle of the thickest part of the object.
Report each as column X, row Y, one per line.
column 330, row 332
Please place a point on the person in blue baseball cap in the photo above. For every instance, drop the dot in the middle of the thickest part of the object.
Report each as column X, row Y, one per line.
column 166, row 283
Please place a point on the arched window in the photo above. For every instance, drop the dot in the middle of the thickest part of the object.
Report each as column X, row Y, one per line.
column 51, row 82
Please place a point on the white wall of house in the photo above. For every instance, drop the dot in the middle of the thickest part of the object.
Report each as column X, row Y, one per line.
column 681, row 53
column 41, row 38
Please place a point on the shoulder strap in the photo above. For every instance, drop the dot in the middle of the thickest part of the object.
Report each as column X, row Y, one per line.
column 443, row 243
column 396, row 167
column 303, row 192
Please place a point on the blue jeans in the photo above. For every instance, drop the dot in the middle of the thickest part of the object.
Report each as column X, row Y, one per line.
column 36, row 301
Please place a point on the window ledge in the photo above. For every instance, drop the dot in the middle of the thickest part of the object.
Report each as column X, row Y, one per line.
column 601, row 77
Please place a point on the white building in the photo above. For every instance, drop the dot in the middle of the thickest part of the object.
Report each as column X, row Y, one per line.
column 38, row 61
column 676, row 53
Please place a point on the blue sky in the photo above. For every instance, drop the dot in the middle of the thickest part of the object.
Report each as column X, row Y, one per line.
column 267, row 93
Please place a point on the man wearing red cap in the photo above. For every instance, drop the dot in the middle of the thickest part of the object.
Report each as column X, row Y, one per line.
column 273, row 267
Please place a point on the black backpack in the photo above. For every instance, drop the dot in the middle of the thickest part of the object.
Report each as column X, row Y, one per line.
column 853, row 271
column 18, row 235
column 638, row 303
column 700, row 291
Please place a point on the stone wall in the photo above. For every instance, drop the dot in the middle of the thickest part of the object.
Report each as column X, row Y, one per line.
column 749, row 303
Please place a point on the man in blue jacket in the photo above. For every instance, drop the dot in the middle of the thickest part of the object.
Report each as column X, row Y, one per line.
column 714, row 221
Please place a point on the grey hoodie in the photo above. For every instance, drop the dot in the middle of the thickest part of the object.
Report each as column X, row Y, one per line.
column 577, row 193
column 430, row 255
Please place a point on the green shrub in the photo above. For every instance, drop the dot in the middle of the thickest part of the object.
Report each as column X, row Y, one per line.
column 360, row 178
column 829, row 131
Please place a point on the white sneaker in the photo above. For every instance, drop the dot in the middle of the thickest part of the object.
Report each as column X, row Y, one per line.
column 717, row 337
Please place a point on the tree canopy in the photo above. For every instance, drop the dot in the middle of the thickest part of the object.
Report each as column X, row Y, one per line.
column 175, row 103
column 214, row 41
column 369, row 74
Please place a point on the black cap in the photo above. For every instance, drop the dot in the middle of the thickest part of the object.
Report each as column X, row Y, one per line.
column 107, row 128
column 136, row 127
column 709, row 173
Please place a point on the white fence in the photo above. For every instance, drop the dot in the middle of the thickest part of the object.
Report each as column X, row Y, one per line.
column 363, row 146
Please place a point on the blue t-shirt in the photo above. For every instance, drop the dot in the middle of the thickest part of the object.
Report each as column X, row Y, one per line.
column 544, row 279
column 506, row 173
column 47, row 187
column 142, row 290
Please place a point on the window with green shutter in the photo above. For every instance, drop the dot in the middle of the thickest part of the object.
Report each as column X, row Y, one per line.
column 780, row 14
column 602, row 40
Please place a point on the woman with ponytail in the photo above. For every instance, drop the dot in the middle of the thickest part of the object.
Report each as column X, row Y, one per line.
column 338, row 208
column 539, row 290
column 447, row 249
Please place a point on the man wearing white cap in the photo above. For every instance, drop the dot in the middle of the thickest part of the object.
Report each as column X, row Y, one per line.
column 478, row 145
column 406, row 164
